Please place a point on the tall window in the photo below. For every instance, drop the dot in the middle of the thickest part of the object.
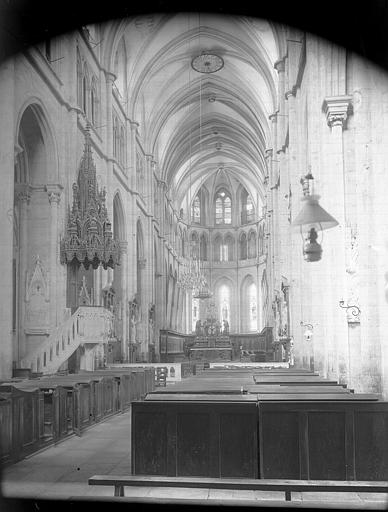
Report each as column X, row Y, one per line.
column 196, row 211
column 224, row 303
column 194, row 245
column 247, row 208
column 223, row 208
column 252, row 304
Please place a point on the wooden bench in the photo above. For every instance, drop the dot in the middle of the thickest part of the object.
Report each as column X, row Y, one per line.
column 288, row 486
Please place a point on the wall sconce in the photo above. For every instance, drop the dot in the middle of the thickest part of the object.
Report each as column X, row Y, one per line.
column 312, row 219
column 308, row 334
column 356, row 310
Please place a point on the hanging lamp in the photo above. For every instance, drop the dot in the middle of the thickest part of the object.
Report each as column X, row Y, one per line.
column 311, row 220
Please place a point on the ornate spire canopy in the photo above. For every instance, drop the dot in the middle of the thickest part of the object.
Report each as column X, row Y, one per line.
column 89, row 239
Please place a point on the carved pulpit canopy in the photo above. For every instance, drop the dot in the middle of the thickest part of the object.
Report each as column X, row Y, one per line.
column 88, row 240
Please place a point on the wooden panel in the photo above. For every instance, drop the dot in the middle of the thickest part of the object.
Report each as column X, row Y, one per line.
column 371, row 444
column 5, row 429
column 193, row 444
column 28, row 420
column 326, row 446
column 149, row 443
column 280, row 444
column 238, row 445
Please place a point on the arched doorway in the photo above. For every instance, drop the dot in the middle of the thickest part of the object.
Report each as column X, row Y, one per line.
column 34, row 233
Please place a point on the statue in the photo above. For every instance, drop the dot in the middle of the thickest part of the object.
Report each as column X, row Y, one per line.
column 198, row 328
column 224, row 311
column 151, row 320
column 226, row 327
column 134, row 319
column 217, row 328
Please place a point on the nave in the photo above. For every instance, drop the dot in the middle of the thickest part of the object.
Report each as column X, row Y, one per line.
column 62, row 471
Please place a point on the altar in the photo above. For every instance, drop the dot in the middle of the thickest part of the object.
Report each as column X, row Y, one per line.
column 212, row 341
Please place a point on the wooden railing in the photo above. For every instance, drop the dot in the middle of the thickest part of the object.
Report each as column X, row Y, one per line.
column 37, row 413
column 88, row 325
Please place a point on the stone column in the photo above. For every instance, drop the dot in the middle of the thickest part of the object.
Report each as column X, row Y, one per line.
column 54, row 195
column 7, row 162
column 333, row 190
column 124, row 298
column 23, row 195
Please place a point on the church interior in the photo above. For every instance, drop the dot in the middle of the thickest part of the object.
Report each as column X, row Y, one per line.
column 195, row 234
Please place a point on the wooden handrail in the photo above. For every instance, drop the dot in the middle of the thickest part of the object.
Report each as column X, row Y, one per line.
column 288, row 486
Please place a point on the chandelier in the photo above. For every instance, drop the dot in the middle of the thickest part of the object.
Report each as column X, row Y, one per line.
column 88, row 240
column 193, row 277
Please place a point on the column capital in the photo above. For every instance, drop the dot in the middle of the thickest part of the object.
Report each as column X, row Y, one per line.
column 110, row 77
column 274, row 116
column 18, row 149
column 336, row 109
column 134, row 125
column 269, row 153
column 289, row 93
column 279, row 65
column 54, row 193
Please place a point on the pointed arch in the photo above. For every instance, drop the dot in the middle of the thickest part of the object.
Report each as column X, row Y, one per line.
column 203, row 242
column 252, row 244
column 119, row 226
column 217, row 244
column 243, row 245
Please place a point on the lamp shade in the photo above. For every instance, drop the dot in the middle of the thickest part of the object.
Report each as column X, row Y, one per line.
column 313, row 213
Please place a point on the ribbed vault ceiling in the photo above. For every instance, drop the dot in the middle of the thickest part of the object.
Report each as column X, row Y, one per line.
column 194, row 123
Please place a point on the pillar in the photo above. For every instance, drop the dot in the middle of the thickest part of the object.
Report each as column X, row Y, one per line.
column 23, row 196
column 333, row 187
column 54, row 195
column 7, row 144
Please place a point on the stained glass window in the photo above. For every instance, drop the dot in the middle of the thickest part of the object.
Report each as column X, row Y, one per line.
column 223, row 208
column 196, row 211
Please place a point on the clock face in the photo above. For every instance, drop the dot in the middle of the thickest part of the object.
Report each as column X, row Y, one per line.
column 207, row 63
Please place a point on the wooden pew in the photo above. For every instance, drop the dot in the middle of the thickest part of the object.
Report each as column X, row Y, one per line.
column 288, row 486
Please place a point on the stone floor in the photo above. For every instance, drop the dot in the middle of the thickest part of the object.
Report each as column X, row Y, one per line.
column 62, row 472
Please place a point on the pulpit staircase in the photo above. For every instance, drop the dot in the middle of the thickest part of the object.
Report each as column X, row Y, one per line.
column 88, row 326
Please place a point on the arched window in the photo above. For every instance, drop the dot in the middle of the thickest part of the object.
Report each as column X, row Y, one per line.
column 203, row 247
column 243, row 246
column 223, row 208
column 247, row 208
column 120, row 68
column 196, row 211
column 194, row 245
column 252, row 304
column 252, row 245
